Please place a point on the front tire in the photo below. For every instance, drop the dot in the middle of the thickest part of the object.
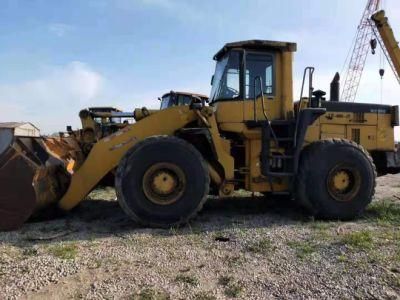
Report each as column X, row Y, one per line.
column 336, row 179
column 162, row 181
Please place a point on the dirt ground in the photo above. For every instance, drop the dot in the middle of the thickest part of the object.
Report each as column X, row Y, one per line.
column 244, row 248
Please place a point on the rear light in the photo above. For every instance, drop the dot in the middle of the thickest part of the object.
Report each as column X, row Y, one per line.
column 395, row 115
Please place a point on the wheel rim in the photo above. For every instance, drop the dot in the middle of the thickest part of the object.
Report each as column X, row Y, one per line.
column 343, row 182
column 164, row 183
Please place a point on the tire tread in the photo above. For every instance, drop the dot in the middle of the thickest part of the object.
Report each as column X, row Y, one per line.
column 124, row 165
column 308, row 159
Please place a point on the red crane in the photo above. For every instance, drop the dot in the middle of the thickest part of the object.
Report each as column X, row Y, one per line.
column 363, row 41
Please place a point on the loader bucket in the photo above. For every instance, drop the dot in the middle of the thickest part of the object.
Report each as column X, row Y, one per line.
column 30, row 178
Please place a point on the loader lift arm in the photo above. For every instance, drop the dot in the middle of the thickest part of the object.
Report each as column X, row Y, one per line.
column 106, row 154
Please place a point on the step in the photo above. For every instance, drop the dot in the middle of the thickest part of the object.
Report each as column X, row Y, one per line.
column 283, row 156
column 285, row 139
column 280, row 193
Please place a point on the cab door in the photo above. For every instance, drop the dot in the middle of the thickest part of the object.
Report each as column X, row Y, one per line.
column 260, row 86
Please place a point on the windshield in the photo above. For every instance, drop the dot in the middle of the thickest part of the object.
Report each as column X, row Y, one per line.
column 165, row 102
column 116, row 120
column 184, row 100
column 176, row 99
column 225, row 83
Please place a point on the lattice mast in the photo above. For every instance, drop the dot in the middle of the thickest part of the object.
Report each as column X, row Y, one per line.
column 360, row 51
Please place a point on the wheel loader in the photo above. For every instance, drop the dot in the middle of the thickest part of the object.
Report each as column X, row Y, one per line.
column 324, row 154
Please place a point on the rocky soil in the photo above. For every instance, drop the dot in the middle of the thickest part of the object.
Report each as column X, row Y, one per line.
column 244, row 248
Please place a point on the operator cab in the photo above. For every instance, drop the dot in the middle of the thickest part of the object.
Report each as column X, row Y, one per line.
column 240, row 64
column 179, row 98
column 256, row 70
column 105, row 109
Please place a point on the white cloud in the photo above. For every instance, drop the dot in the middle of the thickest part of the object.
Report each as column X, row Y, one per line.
column 60, row 29
column 54, row 100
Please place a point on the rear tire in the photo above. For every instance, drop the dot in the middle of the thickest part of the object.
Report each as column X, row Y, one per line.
column 336, row 179
column 162, row 181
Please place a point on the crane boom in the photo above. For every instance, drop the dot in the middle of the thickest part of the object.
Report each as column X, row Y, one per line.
column 359, row 54
column 387, row 41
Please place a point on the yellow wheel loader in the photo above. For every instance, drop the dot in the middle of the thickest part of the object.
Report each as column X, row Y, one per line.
column 323, row 154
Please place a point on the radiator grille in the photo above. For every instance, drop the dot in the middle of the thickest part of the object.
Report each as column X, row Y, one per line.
column 359, row 117
column 355, row 135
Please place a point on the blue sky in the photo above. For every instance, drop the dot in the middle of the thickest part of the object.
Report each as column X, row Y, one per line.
column 57, row 57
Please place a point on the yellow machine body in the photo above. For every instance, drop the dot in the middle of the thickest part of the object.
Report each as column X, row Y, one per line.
column 106, row 154
column 251, row 137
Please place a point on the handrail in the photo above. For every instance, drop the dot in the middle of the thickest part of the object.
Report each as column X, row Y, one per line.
column 310, row 91
column 255, row 98
column 310, row 86
column 262, row 94
column 263, row 107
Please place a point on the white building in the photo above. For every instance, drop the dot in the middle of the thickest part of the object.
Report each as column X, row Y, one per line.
column 20, row 128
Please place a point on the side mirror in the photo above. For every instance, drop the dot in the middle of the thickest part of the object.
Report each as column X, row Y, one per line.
column 159, row 99
column 212, row 80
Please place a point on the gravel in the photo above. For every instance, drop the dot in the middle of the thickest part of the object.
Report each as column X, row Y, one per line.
column 244, row 248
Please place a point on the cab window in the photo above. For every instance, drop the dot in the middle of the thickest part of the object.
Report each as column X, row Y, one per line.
column 226, row 81
column 259, row 66
column 184, row 100
column 166, row 102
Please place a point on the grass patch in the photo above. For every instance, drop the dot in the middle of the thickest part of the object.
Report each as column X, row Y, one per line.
column 322, row 230
column 320, row 225
column 303, row 249
column 68, row 251
column 263, row 246
column 97, row 263
column 361, row 240
column 232, row 289
column 342, row 258
column 187, row 279
column 225, row 280
column 29, row 251
column 384, row 212
column 204, row 296
column 150, row 294
column 234, row 261
column 394, row 281
column 396, row 255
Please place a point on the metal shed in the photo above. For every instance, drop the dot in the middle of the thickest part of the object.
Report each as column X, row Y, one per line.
column 20, row 128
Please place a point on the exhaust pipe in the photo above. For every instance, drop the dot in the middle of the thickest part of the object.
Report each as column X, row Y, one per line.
column 335, row 88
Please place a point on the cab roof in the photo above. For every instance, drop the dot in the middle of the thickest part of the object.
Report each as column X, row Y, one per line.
column 256, row 45
column 185, row 94
column 103, row 109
